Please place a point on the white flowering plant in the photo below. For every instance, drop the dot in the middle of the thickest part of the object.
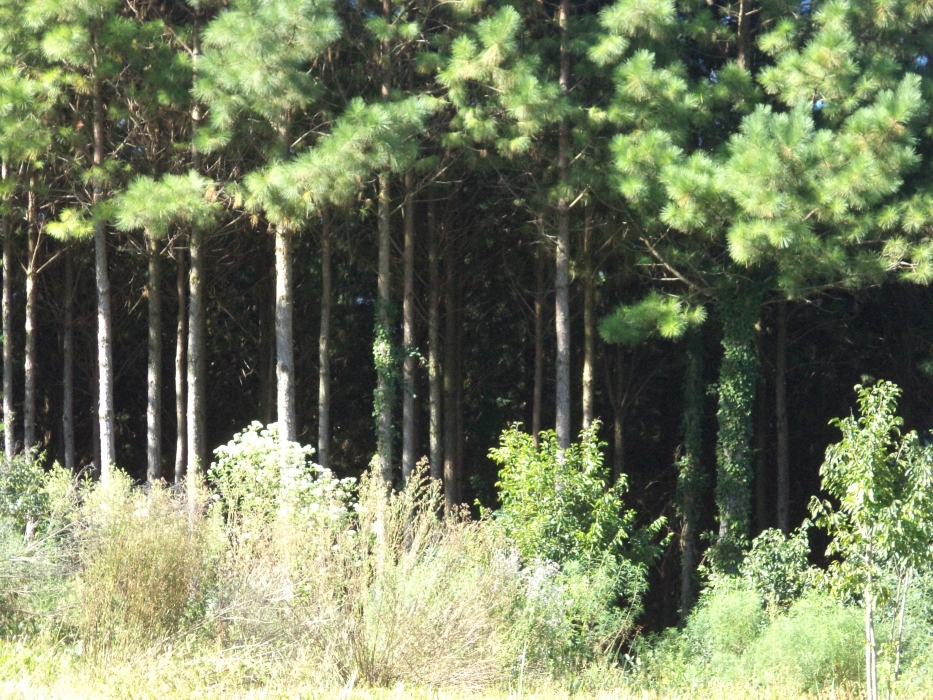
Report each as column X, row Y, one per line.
column 259, row 477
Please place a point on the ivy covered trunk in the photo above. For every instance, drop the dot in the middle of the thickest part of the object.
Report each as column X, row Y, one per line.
column 738, row 379
column 691, row 480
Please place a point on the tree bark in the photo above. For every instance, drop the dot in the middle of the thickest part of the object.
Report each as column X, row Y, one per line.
column 762, row 516
column 382, row 348
column 196, row 360
column 68, row 357
column 385, row 388
column 618, row 417
column 589, row 324
column 780, row 406
column 434, row 350
column 181, row 338
column 691, row 480
column 323, row 393
column 267, row 383
column 562, row 280
column 284, row 338
column 451, row 477
column 105, row 414
column 154, row 370
column 9, row 438
column 408, row 331
column 539, row 345
column 29, row 364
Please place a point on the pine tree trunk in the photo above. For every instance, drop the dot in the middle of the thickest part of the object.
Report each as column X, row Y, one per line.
column 562, row 279
column 539, row 346
column 738, row 379
column 408, row 331
column 181, row 338
column 780, row 406
column 618, row 417
column 385, row 388
column 691, row 480
column 382, row 348
column 451, row 477
column 68, row 358
column 284, row 340
column 196, row 360
column 267, row 383
column 105, row 416
column 762, row 519
column 154, row 370
column 323, row 394
column 589, row 325
column 9, row 438
column 434, row 350
column 29, row 365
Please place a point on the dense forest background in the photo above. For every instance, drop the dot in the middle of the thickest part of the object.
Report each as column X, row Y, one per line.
column 422, row 222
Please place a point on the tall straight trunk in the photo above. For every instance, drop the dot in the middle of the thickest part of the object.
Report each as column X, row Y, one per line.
column 539, row 346
column 618, row 416
column 323, row 393
column 408, row 331
column 95, row 424
column 9, row 439
column 267, row 383
column 762, row 519
column 434, row 350
column 451, row 477
column 181, row 338
column 284, row 340
column 738, row 380
column 780, row 406
column 459, row 464
column 385, row 388
column 691, row 479
column 105, row 416
column 562, row 280
column 29, row 364
column 196, row 361
column 154, row 370
column 68, row 358
column 382, row 348
column 589, row 324
column 184, row 450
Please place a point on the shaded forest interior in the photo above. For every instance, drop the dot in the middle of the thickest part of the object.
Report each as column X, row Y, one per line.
column 834, row 343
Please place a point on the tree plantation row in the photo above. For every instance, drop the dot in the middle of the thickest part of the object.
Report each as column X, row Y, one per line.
column 395, row 228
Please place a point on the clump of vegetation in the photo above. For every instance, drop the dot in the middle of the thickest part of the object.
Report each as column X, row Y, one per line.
column 574, row 534
column 336, row 581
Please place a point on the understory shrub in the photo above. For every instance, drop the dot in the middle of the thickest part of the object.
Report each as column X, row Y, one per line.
column 141, row 565
column 577, row 540
column 817, row 642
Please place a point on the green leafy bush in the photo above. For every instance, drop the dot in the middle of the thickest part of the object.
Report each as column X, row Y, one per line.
column 776, row 566
column 23, row 496
column 558, row 505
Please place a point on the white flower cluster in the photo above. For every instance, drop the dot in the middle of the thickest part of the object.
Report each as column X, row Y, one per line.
column 258, row 475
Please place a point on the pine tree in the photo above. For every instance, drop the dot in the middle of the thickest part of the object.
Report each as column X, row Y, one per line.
column 156, row 207
column 256, row 61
